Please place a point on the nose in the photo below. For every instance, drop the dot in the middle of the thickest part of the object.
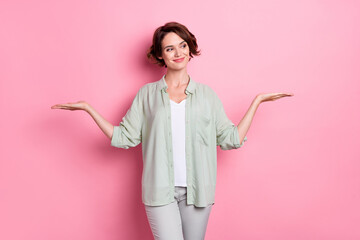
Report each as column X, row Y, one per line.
column 177, row 51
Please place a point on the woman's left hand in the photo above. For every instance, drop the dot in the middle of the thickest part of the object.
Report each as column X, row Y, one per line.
column 264, row 97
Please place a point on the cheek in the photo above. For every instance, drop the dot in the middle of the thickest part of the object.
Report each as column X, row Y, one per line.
column 167, row 55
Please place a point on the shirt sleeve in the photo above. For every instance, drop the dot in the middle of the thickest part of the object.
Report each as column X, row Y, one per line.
column 128, row 133
column 227, row 135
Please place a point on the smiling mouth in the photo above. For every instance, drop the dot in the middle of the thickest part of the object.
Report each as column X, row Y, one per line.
column 179, row 59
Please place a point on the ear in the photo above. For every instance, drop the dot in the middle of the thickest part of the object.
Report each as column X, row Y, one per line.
column 160, row 57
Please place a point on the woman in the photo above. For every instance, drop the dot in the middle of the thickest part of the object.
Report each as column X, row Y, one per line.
column 179, row 123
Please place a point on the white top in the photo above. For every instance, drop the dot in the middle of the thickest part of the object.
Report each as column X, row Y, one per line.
column 178, row 141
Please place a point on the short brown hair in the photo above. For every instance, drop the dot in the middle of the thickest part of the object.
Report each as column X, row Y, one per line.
column 155, row 51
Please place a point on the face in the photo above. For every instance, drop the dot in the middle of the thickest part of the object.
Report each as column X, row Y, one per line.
column 175, row 51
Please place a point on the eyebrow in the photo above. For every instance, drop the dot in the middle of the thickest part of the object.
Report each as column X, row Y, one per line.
column 173, row 45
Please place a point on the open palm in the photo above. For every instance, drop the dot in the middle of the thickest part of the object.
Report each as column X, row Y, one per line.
column 273, row 96
column 80, row 105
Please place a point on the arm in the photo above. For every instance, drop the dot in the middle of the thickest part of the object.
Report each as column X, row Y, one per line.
column 127, row 134
column 104, row 125
column 245, row 122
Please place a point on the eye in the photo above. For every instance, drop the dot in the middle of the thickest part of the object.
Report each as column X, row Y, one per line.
column 168, row 49
column 184, row 45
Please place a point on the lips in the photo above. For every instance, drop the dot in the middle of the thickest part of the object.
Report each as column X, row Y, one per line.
column 179, row 60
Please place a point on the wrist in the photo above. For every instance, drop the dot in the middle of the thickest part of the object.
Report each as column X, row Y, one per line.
column 258, row 99
column 87, row 107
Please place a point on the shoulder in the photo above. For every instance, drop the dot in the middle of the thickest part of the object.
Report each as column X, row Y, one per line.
column 205, row 89
column 148, row 88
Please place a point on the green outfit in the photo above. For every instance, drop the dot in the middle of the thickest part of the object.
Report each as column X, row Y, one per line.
column 148, row 121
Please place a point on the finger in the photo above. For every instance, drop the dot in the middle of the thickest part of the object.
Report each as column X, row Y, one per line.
column 65, row 107
column 287, row 94
column 57, row 106
column 280, row 96
column 273, row 98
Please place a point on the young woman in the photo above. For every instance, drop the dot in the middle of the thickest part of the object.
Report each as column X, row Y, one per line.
column 179, row 122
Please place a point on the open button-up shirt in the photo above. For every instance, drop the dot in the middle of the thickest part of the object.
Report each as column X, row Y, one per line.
column 148, row 121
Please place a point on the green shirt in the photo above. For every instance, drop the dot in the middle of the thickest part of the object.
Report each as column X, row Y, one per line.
column 148, row 121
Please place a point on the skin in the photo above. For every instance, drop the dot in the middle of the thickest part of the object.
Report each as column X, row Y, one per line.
column 177, row 79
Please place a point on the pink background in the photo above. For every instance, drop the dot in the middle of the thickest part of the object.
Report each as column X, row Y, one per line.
column 297, row 176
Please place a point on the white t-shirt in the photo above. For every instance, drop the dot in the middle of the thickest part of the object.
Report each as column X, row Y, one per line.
column 178, row 141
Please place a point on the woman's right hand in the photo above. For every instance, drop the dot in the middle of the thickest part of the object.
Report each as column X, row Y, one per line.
column 80, row 105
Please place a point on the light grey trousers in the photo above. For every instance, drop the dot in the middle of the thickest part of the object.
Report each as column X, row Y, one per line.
column 177, row 220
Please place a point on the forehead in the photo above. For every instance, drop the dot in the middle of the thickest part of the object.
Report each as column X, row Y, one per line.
column 171, row 39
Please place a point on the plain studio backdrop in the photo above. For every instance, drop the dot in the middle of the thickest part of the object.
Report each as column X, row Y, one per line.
column 298, row 175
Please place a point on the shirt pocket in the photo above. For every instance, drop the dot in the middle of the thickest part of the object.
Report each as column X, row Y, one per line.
column 203, row 127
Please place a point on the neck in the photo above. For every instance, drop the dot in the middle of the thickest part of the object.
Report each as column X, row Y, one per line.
column 176, row 78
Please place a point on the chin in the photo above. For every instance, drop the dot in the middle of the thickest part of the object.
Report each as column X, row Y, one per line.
column 177, row 67
column 180, row 66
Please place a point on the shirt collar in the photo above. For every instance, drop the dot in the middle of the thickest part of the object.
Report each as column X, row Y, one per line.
column 189, row 89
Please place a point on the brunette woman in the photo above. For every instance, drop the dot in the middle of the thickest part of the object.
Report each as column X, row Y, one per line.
column 179, row 122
